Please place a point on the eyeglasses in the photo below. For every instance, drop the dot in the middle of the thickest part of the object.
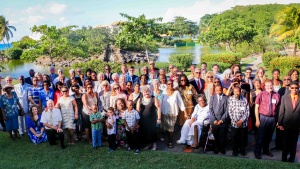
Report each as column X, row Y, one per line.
column 183, row 80
column 210, row 77
column 116, row 88
column 169, row 84
column 286, row 79
column 197, row 72
column 151, row 63
column 294, row 87
column 89, row 87
column 64, row 91
column 238, row 75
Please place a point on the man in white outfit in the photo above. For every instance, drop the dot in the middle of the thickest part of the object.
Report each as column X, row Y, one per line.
column 191, row 130
column 21, row 90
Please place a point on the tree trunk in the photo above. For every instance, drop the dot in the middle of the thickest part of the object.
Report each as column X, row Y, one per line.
column 147, row 55
column 295, row 49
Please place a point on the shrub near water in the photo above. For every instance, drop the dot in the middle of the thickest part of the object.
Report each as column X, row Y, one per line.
column 13, row 53
column 228, row 57
column 182, row 60
column 268, row 56
column 284, row 64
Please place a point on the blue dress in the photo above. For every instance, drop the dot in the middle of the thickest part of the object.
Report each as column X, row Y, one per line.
column 10, row 106
column 37, row 126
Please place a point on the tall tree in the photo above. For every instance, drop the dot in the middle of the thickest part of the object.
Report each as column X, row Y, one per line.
column 287, row 26
column 5, row 30
column 139, row 33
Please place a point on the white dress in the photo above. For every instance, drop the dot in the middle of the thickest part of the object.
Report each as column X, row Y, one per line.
column 67, row 112
column 187, row 131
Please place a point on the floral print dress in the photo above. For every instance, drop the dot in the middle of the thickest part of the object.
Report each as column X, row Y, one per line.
column 121, row 133
column 188, row 95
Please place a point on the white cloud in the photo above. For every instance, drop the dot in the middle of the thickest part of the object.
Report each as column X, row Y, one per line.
column 57, row 9
column 200, row 8
column 35, row 19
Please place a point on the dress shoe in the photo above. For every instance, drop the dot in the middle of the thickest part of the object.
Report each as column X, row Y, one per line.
column 222, row 152
column 216, row 151
column 268, row 154
column 257, row 156
column 234, row 153
column 276, row 148
column 291, row 160
column 242, row 153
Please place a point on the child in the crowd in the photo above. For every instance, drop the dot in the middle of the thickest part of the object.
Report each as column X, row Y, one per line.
column 131, row 118
column 111, row 128
column 96, row 118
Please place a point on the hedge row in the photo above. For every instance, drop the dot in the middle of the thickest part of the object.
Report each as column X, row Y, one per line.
column 286, row 63
column 227, row 57
column 222, row 66
column 268, row 56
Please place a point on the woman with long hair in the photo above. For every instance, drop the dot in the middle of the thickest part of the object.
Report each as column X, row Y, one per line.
column 36, row 129
column 188, row 94
column 209, row 85
column 115, row 94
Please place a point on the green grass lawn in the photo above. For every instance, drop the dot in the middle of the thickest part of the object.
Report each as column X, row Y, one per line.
column 22, row 154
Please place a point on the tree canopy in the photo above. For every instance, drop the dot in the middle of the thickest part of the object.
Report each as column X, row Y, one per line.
column 5, row 30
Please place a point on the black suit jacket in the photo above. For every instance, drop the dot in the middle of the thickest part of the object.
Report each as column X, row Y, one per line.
column 28, row 80
column 108, row 78
column 194, row 83
column 288, row 117
column 218, row 113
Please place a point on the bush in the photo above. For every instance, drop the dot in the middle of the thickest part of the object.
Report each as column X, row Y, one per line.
column 31, row 54
column 284, row 64
column 227, row 57
column 98, row 66
column 182, row 60
column 13, row 53
column 164, row 65
column 268, row 56
column 222, row 66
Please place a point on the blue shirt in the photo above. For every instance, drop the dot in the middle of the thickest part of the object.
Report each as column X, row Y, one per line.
column 45, row 96
column 133, row 79
column 34, row 92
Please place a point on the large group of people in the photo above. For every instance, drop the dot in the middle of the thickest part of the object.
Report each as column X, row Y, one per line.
column 134, row 112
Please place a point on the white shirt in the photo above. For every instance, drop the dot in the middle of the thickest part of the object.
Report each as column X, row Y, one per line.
column 113, row 129
column 172, row 104
column 56, row 115
column 57, row 79
column 201, row 113
column 22, row 93
column 219, row 76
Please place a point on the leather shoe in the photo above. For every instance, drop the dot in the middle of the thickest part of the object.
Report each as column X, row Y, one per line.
column 242, row 153
column 222, row 151
column 257, row 156
column 269, row 154
column 216, row 151
column 234, row 153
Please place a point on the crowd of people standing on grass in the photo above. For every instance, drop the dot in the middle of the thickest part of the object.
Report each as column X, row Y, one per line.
column 134, row 112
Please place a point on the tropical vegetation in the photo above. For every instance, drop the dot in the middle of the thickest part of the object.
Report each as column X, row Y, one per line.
column 5, row 30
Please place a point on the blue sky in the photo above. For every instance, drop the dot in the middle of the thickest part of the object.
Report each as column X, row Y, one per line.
column 23, row 14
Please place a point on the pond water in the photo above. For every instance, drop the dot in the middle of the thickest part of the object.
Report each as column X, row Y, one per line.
column 15, row 68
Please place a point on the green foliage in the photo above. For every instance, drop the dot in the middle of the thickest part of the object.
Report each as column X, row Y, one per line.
column 268, row 56
column 98, row 66
column 182, row 60
column 180, row 26
column 31, row 54
column 164, row 65
column 222, row 66
column 13, row 53
column 139, row 33
column 286, row 63
column 226, row 57
column 242, row 28
column 5, row 30
column 25, row 43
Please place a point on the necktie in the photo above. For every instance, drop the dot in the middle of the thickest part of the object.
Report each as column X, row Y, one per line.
column 51, row 118
column 199, row 85
column 270, row 105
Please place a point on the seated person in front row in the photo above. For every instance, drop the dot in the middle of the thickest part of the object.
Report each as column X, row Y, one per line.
column 191, row 130
column 51, row 118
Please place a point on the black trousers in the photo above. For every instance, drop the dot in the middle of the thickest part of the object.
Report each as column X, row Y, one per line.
column 264, row 134
column 112, row 141
column 133, row 139
column 279, row 138
column 51, row 137
column 220, row 137
column 2, row 121
column 290, row 139
column 239, row 138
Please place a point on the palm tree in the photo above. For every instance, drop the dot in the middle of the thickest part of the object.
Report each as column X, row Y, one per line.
column 5, row 30
column 287, row 26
